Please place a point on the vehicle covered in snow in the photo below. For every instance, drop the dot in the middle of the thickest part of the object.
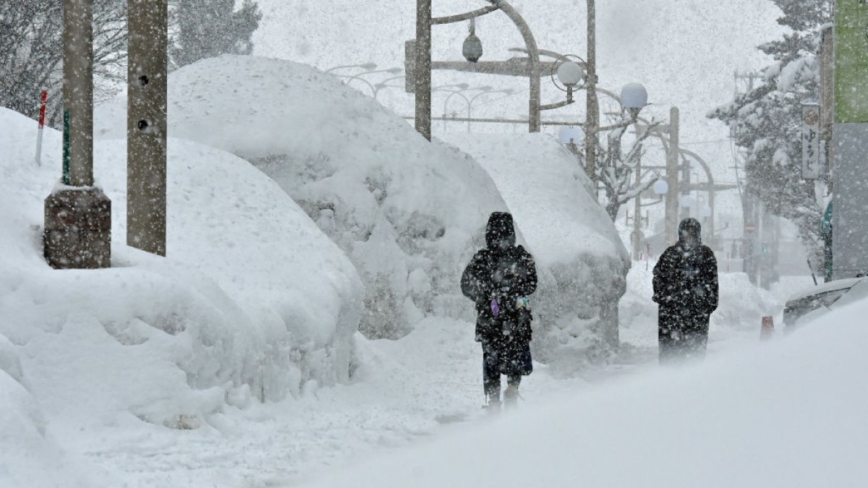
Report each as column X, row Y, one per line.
column 807, row 305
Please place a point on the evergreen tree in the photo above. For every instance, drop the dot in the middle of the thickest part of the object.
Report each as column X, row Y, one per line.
column 767, row 122
column 209, row 28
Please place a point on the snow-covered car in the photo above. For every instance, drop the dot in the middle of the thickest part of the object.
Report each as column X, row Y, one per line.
column 806, row 305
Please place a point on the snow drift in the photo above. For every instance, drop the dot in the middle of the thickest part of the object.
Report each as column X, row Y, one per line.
column 407, row 212
column 580, row 257
column 251, row 301
column 785, row 413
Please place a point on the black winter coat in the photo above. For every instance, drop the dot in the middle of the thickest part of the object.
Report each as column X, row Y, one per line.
column 502, row 272
column 504, row 276
column 686, row 287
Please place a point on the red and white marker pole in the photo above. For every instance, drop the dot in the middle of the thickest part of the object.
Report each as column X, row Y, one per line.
column 42, row 99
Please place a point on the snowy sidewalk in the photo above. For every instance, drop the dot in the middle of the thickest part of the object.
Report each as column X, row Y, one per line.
column 408, row 390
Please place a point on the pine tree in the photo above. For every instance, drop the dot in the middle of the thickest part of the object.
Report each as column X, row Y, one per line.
column 766, row 121
column 209, row 28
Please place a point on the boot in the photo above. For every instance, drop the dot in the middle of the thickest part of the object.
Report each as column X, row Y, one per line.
column 510, row 396
column 493, row 401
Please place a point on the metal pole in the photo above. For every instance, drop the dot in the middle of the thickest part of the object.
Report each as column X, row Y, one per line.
column 592, row 123
column 423, row 68
column 672, row 178
column 532, row 64
column 147, row 90
column 638, row 212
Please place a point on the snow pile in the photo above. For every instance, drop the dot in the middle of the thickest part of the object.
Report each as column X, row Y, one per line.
column 251, row 301
column 30, row 457
column 783, row 413
column 408, row 213
column 580, row 258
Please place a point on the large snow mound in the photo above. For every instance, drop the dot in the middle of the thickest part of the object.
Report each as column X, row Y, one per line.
column 407, row 212
column 580, row 257
column 784, row 413
column 251, row 301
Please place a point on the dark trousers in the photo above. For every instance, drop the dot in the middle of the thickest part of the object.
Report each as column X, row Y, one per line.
column 678, row 344
column 491, row 368
column 682, row 334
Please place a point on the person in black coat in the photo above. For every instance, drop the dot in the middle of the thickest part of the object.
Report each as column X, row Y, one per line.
column 499, row 279
column 686, row 290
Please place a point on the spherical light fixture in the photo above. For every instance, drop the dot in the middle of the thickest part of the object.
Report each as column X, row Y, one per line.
column 568, row 134
column 661, row 187
column 634, row 97
column 570, row 73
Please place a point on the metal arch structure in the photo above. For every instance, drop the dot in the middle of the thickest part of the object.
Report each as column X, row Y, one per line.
column 710, row 186
column 423, row 62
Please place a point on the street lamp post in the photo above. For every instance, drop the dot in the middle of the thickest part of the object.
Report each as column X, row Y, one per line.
column 422, row 55
column 592, row 107
column 78, row 214
column 671, row 216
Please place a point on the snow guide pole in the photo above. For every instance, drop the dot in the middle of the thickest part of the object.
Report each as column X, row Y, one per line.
column 42, row 98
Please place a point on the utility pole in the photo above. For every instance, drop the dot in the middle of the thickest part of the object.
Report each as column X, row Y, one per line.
column 423, row 68
column 672, row 178
column 147, row 94
column 77, row 215
column 592, row 117
column 751, row 214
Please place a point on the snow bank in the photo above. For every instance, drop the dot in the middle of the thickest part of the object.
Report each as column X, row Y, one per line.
column 782, row 413
column 581, row 260
column 29, row 457
column 251, row 301
column 408, row 213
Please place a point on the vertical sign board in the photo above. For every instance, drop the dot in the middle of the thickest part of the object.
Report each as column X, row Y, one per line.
column 810, row 141
column 850, row 139
column 851, row 61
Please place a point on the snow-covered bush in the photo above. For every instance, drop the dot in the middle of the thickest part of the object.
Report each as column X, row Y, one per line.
column 581, row 261
column 407, row 212
column 251, row 301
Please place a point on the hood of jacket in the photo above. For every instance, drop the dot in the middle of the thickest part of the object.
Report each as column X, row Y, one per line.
column 689, row 226
column 500, row 232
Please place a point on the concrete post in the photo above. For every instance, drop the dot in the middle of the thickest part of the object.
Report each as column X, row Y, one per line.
column 147, row 94
column 78, row 215
column 423, row 68
column 672, row 179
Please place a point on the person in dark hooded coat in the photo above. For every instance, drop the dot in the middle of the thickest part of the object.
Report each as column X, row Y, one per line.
column 499, row 280
column 686, row 290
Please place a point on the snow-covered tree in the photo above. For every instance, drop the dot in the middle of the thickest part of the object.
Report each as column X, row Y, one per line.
column 209, row 28
column 31, row 53
column 617, row 169
column 766, row 121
